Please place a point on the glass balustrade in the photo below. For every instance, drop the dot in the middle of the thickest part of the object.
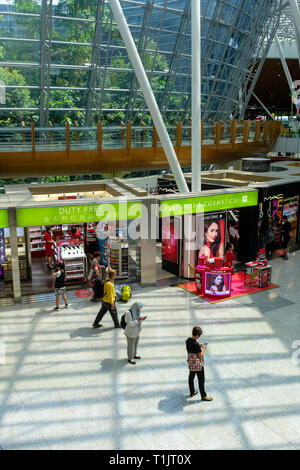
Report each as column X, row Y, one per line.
column 26, row 139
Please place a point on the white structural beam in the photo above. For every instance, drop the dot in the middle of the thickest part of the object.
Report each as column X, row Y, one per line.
column 294, row 7
column 196, row 95
column 296, row 14
column 265, row 108
column 284, row 64
column 149, row 96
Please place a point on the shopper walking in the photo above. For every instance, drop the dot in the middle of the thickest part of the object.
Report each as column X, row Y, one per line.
column 133, row 330
column 96, row 277
column 91, row 239
column 271, row 238
column 286, row 235
column 59, row 285
column 263, row 233
column 108, row 301
column 196, row 363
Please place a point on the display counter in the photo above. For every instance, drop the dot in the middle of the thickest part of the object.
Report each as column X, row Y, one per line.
column 74, row 259
column 258, row 273
column 213, row 281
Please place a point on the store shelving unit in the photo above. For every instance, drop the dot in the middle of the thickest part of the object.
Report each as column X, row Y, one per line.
column 74, row 259
column 118, row 258
column 7, row 266
column 37, row 244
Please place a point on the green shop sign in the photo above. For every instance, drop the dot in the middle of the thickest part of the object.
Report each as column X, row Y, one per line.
column 208, row 203
column 3, row 218
column 78, row 214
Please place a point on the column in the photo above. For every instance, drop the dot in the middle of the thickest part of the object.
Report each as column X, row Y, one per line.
column 147, row 242
column 16, row 280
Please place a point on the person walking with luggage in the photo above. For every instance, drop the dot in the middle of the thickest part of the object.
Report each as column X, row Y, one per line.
column 108, row 301
column 59, row 286
column 133, row 329
column 196, row 363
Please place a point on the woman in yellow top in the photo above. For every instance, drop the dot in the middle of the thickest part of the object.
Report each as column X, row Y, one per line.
column 108, row 301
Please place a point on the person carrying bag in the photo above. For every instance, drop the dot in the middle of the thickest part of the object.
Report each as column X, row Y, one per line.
column 133, row 326
column 95, row 277
column 108, row 301
column 195, row 362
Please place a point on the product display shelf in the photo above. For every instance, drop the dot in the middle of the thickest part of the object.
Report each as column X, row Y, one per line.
column 7, row 266
column 75, row 262
column 37, row 243
column 118, row 258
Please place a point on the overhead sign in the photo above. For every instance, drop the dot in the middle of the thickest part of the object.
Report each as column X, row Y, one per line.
column 208, row 203
column 28, row 217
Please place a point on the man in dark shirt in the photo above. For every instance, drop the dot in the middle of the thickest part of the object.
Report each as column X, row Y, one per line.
column 286, row 235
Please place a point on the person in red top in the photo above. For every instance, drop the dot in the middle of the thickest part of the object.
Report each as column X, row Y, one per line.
column 229, row 257
column 49, row 243
column 76, row 233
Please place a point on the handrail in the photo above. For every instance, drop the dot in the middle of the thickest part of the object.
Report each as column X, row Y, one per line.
column 129, row 136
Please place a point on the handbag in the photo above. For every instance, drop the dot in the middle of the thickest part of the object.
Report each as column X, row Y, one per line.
column 194, row 362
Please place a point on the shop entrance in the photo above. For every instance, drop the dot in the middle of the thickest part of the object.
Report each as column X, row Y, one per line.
column 74, row 245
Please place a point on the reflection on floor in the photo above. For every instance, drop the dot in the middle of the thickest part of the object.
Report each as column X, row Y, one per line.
column 65, row 385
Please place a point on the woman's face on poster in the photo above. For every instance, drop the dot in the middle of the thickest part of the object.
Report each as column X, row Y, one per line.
column 212, row 232
column 218, row 280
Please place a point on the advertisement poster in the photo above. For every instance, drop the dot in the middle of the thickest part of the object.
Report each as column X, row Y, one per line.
column 211, row 235
column 170, row 235
column 290, row 208
column 217, row 283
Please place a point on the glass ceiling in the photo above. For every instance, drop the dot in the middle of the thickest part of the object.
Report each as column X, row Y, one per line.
column 286, row 31
column 65, row 59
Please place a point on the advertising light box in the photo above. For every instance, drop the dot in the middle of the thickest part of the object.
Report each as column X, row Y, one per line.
column 217, row 284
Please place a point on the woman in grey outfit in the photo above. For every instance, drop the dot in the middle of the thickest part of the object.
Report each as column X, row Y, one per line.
column 133, row 330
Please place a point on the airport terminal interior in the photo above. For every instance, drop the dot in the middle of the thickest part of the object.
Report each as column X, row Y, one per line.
column 149, row 170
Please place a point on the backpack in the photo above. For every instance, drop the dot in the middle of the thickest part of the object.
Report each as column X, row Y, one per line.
column 98, row 288
column 126, row 293
column 123, row 322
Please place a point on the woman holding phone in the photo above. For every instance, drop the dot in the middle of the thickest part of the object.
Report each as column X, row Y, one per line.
column 196, row 363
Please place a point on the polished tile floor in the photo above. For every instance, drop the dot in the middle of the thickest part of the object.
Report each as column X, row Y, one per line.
column 64, row 385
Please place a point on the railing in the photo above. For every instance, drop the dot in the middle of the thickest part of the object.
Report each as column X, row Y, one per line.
column 36, row 139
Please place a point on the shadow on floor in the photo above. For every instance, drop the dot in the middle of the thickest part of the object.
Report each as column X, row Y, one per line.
column 176, row 403
column 88, row 332
column 107, row 365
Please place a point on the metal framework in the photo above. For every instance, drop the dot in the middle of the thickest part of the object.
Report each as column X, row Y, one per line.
column 81, row 54
column 46, row 37
column 286, row 31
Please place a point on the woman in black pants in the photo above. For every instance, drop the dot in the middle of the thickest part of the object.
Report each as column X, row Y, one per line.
column 196, row 363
